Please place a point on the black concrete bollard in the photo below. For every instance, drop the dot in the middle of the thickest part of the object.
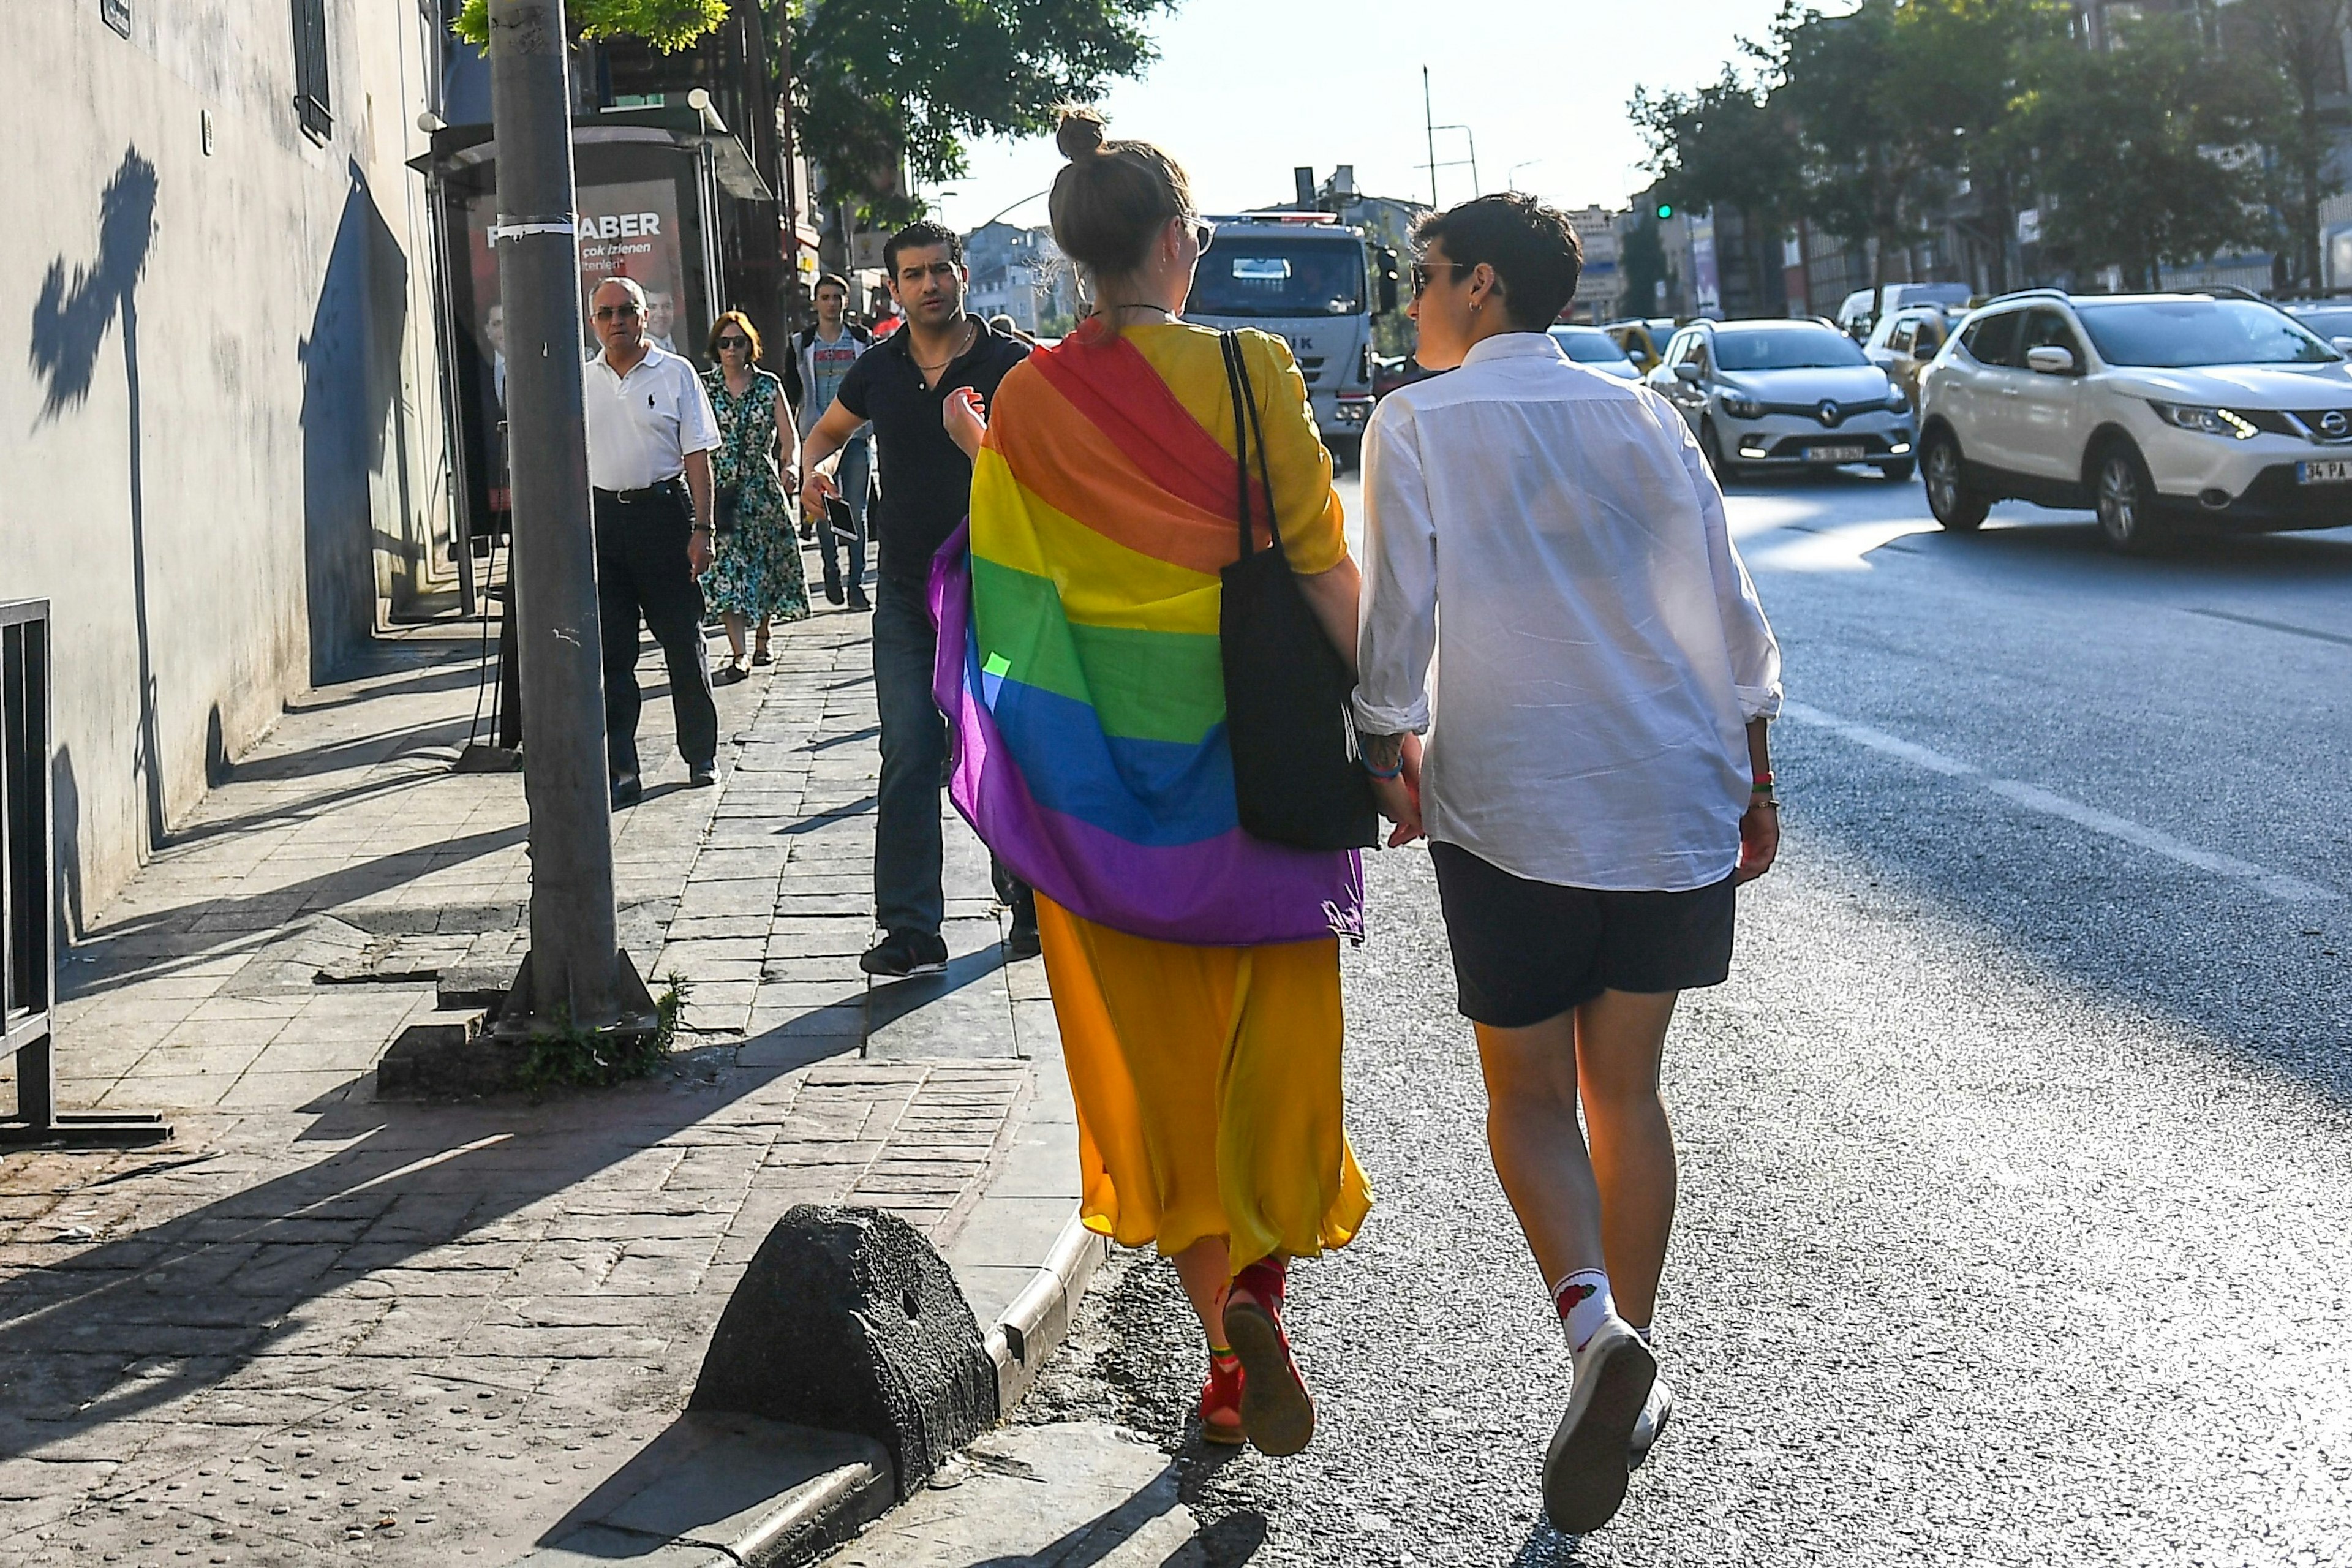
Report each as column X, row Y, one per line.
column 848, row 1320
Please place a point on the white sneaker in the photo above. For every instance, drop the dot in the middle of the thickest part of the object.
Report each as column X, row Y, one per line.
column 1657, row 1411
column 1586, row 1464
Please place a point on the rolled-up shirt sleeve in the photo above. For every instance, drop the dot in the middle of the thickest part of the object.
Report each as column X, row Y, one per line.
column 1746, row 635
column 1396, row 625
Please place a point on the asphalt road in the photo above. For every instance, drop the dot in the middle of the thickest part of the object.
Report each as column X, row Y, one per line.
column 2017, row 1155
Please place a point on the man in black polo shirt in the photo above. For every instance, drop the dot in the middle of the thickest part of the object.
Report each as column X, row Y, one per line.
column 901, row 384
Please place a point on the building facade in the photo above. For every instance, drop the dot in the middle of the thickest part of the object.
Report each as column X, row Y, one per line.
column 225, row 444
column 1021, row 273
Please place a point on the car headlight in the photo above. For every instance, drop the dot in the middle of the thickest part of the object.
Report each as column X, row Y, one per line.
column 2206, row 421
column 1896, row 398
column 1740, row 407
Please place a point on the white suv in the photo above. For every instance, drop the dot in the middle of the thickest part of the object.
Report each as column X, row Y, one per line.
column 2151, row 408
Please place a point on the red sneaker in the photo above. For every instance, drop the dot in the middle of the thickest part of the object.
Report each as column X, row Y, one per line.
column 1221, row 1403
column 1276, row 1411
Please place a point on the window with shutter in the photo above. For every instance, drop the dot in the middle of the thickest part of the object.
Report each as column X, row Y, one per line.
column 311, row 96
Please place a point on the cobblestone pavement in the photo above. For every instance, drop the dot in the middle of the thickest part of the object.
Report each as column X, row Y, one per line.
column 316, row 1328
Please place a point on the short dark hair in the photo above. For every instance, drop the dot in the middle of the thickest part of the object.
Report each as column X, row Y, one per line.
column 1533, row 248
column 832, row 281
column 921, row 235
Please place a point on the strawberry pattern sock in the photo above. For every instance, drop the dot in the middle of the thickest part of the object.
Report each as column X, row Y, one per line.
column 1584, row 1304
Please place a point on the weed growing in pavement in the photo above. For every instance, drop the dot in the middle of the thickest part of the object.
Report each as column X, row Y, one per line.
column 576, row 1059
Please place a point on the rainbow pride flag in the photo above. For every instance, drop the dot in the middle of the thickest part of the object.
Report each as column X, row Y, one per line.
column 1079, row 669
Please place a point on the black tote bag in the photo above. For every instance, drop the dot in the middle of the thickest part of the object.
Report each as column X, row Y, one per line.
column 1295, row 775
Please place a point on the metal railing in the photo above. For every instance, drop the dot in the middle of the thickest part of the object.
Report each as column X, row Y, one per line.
column 28, row 966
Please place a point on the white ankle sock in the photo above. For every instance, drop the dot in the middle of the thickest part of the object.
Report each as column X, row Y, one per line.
column 1584, row 1303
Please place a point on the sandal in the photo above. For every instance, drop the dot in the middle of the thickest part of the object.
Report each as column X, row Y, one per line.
column 1277, row 1412
column 761, row 656
column 728, row 674
column 1220, row 1401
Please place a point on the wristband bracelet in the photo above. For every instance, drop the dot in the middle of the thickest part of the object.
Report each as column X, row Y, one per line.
column 703, row 527
column 1395, row 772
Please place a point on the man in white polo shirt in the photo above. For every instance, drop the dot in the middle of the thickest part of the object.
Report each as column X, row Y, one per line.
column 650, row 437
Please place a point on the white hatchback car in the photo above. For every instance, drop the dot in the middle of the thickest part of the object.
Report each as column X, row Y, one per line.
column 2152, row 409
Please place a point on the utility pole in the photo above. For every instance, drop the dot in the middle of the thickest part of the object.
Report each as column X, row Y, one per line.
column 1429, row 125
column 576, row 976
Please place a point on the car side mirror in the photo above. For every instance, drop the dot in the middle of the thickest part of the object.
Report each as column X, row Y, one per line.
column 1687, row 371
column 2050, row 360
column 2343, row 346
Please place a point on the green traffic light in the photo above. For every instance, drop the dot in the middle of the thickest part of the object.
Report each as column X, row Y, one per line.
column 1665, row 209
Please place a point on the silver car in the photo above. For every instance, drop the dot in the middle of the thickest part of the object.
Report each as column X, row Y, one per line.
column 1786, row 394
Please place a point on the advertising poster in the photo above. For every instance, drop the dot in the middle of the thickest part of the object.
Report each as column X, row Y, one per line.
column 626, row 230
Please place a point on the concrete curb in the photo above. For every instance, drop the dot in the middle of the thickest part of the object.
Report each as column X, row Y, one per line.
column 1038, row 1320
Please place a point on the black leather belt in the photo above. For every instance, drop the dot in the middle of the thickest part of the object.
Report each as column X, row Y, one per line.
column 668, row 490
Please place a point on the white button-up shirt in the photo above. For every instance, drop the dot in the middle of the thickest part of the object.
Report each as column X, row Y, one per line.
column 1600, row 650
column 641, row 425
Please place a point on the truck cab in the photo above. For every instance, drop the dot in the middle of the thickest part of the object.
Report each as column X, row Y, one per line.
column 1314, row 283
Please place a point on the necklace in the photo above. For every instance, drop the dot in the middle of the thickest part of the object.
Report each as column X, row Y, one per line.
column 962, row 343
column 1113, row 310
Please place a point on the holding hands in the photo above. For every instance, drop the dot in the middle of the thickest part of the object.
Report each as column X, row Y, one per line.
column 1398, row 797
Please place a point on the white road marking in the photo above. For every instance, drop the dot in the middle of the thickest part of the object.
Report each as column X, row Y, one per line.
column 2277, row 884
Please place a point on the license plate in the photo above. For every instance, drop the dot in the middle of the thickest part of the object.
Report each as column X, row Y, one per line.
column 1836, row 454
column 2332, row 471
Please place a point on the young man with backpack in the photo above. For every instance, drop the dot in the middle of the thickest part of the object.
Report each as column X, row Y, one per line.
column 818, row 363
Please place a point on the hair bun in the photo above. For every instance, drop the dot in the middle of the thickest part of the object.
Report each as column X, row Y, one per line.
column 1081, row 132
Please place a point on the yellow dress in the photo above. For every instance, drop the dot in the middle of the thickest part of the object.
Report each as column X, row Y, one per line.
column 1207, row 1079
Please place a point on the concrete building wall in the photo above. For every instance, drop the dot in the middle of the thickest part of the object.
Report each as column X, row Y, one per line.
column 223, row 433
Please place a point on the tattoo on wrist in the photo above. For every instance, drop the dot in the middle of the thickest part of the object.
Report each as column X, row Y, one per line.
column 1382, row 753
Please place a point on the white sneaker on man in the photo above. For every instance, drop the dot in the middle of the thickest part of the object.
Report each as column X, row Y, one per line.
column 1586, row 1464
column 1657, row 1411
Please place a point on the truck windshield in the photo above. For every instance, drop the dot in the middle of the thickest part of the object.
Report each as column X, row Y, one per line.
column 1249, row 275
column 1786, row 348
column 2173, row 334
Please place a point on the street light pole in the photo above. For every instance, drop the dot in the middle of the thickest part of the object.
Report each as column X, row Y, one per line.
column 1429, row 127
column 572, row 979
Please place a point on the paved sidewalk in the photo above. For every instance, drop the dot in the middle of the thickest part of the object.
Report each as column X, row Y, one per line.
column 316, row 1328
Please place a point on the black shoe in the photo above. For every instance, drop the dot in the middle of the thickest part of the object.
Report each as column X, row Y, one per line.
column 702, row 775
column 858, row 601
column 628, row 791
column 833, row 589
column 728, row 674
column 1022, row 941
column 904, row 954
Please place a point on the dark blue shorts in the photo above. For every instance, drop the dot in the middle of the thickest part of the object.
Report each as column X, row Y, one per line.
column 1525, row 952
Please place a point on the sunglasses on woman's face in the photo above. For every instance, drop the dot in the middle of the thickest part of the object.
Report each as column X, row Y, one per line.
column 1421, row 274
column 1203, row 232
column 726, row 344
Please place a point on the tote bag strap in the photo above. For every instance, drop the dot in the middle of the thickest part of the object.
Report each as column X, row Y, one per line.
column 1247, row 432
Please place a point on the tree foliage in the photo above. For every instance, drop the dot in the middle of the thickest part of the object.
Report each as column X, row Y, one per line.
column 668, row 26
column 879, row 82
column 2185, row 136
column 2145, row 155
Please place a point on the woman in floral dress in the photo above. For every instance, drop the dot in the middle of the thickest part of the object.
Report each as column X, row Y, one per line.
column 756, row 573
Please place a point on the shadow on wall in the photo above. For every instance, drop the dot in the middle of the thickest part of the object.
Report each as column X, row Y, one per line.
column 70, row 320
column 351, row 404
column 65, row 801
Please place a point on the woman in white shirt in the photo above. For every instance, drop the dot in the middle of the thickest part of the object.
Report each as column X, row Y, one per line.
column 1597, row 779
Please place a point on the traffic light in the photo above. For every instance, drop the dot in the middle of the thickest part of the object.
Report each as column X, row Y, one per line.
column 1666, row 211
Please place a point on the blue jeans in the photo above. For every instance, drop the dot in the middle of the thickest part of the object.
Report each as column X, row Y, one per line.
column 908, row 844
column 856, row 479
